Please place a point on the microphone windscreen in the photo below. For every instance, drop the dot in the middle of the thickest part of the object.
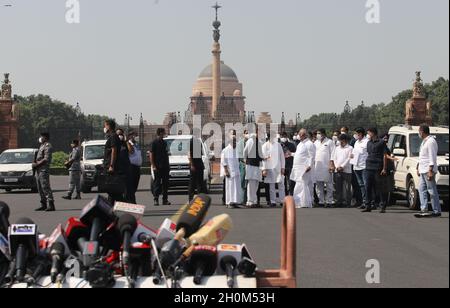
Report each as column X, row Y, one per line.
column 128, row 223
column 58, row 248
column 4, row 209
column 228, row 260
column 25, row 221
column 193, row 216
column 206, row 255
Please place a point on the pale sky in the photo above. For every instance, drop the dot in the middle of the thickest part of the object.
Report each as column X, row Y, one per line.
column 307, row 56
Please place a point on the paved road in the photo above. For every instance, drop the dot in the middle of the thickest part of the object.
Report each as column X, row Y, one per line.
column 333, row 244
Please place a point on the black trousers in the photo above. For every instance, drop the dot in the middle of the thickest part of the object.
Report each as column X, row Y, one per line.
column 133, row 183
column 377, row 188
column 161, row 184
column 196, row 183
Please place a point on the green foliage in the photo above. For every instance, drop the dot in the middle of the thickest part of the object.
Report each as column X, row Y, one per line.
column 384, row 116
column 40, row 113
column 58, row 159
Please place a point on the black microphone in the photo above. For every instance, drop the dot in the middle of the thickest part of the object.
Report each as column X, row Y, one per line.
column 41, row 268
column 247, row 267
column 203, row 262
column 127, row 226
column 4, row 216
column 57, row 253
column 228, row 264
column 23, row 239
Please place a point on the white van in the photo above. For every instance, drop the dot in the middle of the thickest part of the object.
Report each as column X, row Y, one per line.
column 404, row 143
column 178, row 148
column 91, row 163
column 16, row 171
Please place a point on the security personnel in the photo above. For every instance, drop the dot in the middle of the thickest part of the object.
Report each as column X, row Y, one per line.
column 196, row 165
column 74, row 166
column 42, row 167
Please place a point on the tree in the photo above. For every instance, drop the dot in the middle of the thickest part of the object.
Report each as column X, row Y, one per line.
column 39, row 113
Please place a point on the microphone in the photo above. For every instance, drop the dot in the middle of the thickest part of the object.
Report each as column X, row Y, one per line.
column 77, row 234
column 211, row 234
column 40, row 269
column 228, row 264
column 127, row 225
column 247, row 267
column 190, row 219
column 23, row 241
column 4, row 216
column 57, row 253
column 203, row 262
column 97, row 215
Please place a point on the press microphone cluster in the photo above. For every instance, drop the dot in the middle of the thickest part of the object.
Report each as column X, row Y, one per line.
column 106, row 242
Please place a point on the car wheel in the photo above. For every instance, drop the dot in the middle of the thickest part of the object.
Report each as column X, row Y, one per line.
column 34, row 190
column 8, row 190
column 445, row 205
column 413, row 196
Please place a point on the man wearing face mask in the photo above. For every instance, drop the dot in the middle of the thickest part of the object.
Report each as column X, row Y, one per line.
column 230, row 171
column 376, row 171
column 240, row 148
column 359, row 157
column 274, row 170
column 426, row 170
column 324, row 150
column 159, row 159
column 42, row 167
column 253, row 160
column 74, row 166
column 302, row 169
column 289, row 149
column 111, row 159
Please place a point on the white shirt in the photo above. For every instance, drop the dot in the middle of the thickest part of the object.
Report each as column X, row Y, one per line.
column 274, row 163
column 304, row 158
column 230, row 159
column 324, row 150
column 360, row 150
column 341, row 158
column 428, row 155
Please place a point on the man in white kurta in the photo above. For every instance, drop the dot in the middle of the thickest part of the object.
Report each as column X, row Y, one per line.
column 253, row 172
column 301, row 172
column 274, row 167
column 231, row 172
column 324, row 179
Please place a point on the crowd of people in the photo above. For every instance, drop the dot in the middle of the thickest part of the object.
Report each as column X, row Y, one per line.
column 344, row 170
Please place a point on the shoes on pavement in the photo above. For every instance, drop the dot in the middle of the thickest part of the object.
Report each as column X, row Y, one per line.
column 362, row 207
column 436, row 215
column 67, row 197
column 367, row 210
column 43, row 208
column 166, row 203
column 156, row 202
column 51, row 207
column 383, row 211
column 78, row 197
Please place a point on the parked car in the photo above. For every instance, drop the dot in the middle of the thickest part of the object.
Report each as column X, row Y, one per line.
column 404, row 143
column 91, row 163
column 178, row 148
column 16, row 171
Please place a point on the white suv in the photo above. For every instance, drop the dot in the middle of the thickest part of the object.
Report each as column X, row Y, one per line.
column 91, row 163
column 404, row 143
column 178, row 148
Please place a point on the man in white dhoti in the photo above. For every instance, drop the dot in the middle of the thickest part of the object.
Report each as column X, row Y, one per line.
column 324, row 179
column 274, row 167
column 253, row 174
column 301, row 172
column 230, row 171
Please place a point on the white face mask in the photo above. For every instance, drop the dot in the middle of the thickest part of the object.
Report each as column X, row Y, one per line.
column 355, row 136
column 246, row 136
column 283, row 140
column 105, row 130
column 41, row 140
column 335, row 138
column 319, row 137
column 121, row 137
column 368, row 137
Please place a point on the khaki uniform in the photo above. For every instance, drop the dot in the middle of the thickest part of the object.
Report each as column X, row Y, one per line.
column 43, row 173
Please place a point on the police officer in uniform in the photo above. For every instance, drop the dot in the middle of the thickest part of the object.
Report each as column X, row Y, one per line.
column 74, row 166
column 42, row 168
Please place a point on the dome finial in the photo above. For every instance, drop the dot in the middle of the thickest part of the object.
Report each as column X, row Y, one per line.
column 216, row 23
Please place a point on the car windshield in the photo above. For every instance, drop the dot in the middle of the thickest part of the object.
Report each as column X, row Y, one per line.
column 178, row 147
column 93, row 152
column 16, row 158
column 442, row 141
